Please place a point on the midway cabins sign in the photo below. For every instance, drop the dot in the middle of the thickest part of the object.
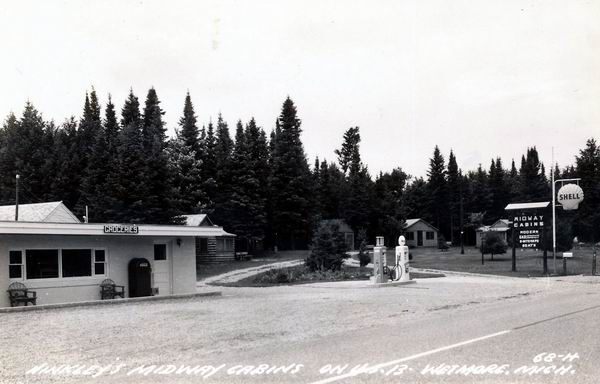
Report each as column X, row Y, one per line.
column 529, row 229
column 528, row 221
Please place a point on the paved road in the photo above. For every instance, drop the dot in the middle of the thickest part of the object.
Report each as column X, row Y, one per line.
column 447, row 330
column 552, row 338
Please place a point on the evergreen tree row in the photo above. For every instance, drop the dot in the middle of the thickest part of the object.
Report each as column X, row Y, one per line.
column 124, row 168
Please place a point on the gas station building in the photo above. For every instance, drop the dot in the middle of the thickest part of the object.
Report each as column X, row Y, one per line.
column 66, row 261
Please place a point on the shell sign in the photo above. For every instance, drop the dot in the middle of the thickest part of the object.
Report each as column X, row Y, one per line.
column 570, row 195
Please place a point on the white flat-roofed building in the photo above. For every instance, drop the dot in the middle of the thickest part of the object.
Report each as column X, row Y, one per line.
column 67, row 261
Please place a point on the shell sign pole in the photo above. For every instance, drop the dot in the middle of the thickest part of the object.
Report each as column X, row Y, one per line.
column 569, row 196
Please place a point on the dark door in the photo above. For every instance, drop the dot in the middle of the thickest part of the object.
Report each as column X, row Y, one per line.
column 140, row 278
column 419, row 238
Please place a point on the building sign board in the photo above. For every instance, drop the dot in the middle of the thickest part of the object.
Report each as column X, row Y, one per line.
column 529, row 227
column 569, row 196
column 121, row 229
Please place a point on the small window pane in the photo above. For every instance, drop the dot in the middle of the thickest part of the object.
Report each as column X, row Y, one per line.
column 15, row 257
column 41, row 263
column 160, row 252
column 76, row 262
column 99, row 254
column 14, row 271
column 99, row 269
column 203, row 244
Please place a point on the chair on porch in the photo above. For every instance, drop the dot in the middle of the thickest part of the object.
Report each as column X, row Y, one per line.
column 110, row 290
column 18, row 293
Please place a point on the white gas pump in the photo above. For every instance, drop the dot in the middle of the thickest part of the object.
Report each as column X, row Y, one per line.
column 379, row 261
column 402, row 270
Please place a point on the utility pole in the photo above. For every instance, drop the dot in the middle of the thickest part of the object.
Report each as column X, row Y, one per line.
column 17, row 198
column 462, row 229
column 553, row 213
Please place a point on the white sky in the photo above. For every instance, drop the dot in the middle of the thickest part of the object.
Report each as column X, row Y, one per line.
column 485, row 78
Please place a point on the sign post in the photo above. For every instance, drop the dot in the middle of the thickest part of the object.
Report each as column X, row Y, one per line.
column 569, row 196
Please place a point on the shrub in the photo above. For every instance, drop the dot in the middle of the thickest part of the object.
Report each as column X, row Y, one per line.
column 328, row 249
column 492, row 243
column 442, row 242
column 303, row 274
column 363, row 254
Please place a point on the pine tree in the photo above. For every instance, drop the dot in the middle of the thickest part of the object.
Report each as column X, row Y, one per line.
column 437, row 192
column 331, row 191
column 257, row 169
column 8, row 141
column 25, row 153
column 480, row 202
column 127, row 185
column 290, row 182
column 415, row 199
column 159, row 198
column 389, row 188
column 63, row 164
column 532, row 181
column 357, row 208
column 454, row 192
column 499, row 189
column 224, row 188
column 186, row 173
column 89, row 127
column 189, row 130
column 349, row 153
column 102, row 166
column 209, row 168
column 587, row 220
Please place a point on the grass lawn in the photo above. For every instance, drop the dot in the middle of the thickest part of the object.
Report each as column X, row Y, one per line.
column 208, row 270
column 529, row 262
column 303, row 276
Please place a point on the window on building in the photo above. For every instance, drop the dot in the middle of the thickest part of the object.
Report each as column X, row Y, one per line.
column 429, row 235
column 54, row 263
column 76, row 262
column 41, row 263
column 160, row 251
column 15, row 265
column 99, row 262
column 203, row 244
column 410, row 235
column 225, row 244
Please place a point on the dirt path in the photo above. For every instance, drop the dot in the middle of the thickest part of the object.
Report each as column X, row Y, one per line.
column 237, row 275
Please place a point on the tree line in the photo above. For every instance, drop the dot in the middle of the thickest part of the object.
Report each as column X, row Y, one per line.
column 260, row 186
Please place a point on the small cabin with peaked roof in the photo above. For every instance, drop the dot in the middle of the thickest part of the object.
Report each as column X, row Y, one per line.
column 501, row 227
column 420, row 233
column 211, row 249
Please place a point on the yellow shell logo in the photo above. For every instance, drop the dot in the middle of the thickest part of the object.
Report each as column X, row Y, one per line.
column 569, row 196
